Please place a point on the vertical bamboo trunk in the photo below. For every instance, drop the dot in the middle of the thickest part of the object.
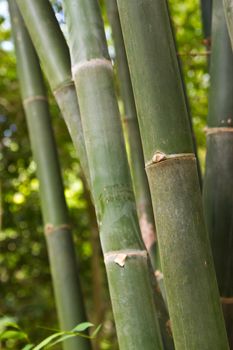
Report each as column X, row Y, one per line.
column 190, row 282
column 186, row 99
column 53, row 53
column 218, row 186
column 136, row 158
column 206, row 13
column 126, row 259
column 57, row 231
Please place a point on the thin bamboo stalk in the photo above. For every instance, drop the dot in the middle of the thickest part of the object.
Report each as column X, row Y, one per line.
column 53, row 53
column 206, row 12
column 190, row 282
column 125, row 256
column 66, row 282
column 130, row 122
column 218, row 193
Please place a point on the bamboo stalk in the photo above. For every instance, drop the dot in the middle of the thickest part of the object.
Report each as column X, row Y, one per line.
column 218, row 193
column 66, row 282
column 53, row 53
column 206, row 13
column 126, row 259
column 190, row 282
column 130, row 122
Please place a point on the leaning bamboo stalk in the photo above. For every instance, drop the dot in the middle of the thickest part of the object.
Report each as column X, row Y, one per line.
column 126, row 259
column 54, row 56
column 190, row 282
column 218, row 185
column 66, row 282
column 130, row 122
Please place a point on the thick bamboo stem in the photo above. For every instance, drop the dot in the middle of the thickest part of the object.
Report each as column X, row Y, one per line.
column 57, row 231
column 53, row 53
column 206, row 12
column 218, row 192
column 125, row 256
column 190, row 282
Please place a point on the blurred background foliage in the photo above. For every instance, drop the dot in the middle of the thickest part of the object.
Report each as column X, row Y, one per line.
column 25, row 283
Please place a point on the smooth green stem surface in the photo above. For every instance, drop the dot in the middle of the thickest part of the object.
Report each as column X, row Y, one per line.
column 190, row 282
column 58, row 234
column 54, row 56
column 126, row 259
column 130, row 123
column 206, row 12
column 218, row 187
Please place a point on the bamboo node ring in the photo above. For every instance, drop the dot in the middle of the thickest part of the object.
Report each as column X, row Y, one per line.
column 160, row 156
column 218, row 130
column 28, row 100
column 225, row 300
column 92, row 63
column 119, row 257
column 50, row 228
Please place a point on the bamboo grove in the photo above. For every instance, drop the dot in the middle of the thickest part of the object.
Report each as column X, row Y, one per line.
column 166, row 240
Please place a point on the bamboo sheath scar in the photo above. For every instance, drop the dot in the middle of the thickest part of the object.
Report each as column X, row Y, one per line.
column 218, row 185
column 190, row 282
column 61, row 251
column 130, row 284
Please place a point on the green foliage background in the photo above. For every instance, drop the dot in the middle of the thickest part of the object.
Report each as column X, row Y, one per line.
column 25, row 282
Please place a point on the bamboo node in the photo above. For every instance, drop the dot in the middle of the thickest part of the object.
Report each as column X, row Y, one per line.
column 50, row 228
column 28, row 100
column 64, row 85
column 92, row 63
column 225, row 300
column 160, row 156
column 120, row 257
column 218, row 130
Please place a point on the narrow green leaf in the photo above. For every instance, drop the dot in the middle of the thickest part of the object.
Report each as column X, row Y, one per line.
column 82, row 327
column 13, row 335
column 63, row 338
column 47, row 340
column 28, row 347
column 93, row 335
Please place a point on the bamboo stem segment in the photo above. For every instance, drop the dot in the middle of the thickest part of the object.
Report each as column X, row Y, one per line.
column 218, row 193
column 53, row 53
column 57, row 231
column 190, row 282
column 110, row 180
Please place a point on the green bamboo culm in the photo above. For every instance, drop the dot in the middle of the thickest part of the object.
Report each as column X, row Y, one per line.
column 206, row 13
column 54, row 56
column 130, row 122
column 190, row 282
column 126, row 259
column 218, row 185
column 63, row 264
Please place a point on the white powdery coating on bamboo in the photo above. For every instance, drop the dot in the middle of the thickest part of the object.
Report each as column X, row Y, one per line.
column 119, row 257
column 93, row 63
column 148, row 231
column 160, row 156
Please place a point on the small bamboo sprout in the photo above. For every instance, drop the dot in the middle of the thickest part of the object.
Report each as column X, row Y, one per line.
column 66, row 283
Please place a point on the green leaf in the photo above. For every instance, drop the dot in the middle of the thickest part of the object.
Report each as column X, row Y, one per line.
column 63, row 338
column 28, row 347
column 82, row 327
column 13, row 335
column 93, row 335
column 47, row 340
